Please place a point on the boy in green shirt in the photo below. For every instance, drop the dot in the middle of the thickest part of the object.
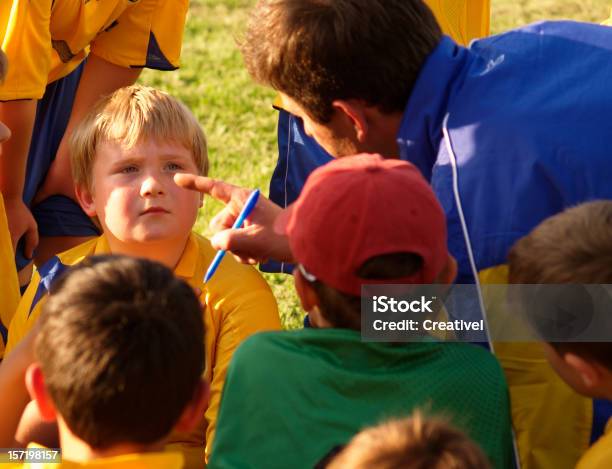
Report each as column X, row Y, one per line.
column 291, row 398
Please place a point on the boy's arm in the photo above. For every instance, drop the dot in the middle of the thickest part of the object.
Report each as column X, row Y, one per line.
column 9, row 285
column 99, row 78
column 243, row 308
column 26, row 41
column 19, row 117
column 13, row 390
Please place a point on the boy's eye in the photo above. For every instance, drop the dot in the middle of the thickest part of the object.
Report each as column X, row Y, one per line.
column 128, row 169
column 174, row 166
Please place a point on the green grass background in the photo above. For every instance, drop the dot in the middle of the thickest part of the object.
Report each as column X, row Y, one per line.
column 237, row 116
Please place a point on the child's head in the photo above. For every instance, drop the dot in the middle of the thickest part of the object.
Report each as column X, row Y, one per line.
column 572, row 247
column 412, row 443
column 119, row 353
column 124, row 155
column 363, row 220
column 316, row 52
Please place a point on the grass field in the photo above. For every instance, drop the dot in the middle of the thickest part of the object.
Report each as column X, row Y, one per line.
column 237, row 114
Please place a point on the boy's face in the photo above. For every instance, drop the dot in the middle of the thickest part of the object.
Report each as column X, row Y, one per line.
column 133, row 193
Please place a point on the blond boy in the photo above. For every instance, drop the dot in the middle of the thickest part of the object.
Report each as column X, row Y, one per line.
column 411, row 443
column 124, row 157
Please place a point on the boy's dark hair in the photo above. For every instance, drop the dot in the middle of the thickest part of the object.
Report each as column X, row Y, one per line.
column 121, row 347
column 343, row 310
column 317, row 51
column 572, row 247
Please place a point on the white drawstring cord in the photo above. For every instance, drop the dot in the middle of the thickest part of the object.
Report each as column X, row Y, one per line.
column 468, row 245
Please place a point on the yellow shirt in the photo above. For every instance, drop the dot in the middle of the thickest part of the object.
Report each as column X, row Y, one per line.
column 166, row 460
column 599, row 456
column 238, row 302
column 9, row 285
column 463, row 20
column 47, row 39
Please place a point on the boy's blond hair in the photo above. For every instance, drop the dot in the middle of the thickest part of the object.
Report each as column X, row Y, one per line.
column 129, row 116
column 411, row 443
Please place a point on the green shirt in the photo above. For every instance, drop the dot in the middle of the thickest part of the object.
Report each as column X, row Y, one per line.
column 291, row 397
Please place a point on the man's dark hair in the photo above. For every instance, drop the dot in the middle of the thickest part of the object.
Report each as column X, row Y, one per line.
column 317, row 51
column 121, row 347
column 343, row 310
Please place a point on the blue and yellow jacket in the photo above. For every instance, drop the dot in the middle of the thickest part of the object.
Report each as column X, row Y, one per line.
column 508, row 135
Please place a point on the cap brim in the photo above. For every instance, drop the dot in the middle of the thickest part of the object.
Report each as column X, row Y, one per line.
column 281, row 224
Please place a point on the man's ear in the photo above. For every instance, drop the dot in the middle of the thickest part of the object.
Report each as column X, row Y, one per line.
column 354, row 111
column 589, row 372
column 85, row 199
column 193, row 412
column 35, row 383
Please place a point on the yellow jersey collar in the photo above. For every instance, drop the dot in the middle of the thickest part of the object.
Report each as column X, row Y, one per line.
column 187, row 264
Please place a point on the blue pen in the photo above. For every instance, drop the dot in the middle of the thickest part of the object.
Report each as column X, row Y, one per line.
column 246, row 211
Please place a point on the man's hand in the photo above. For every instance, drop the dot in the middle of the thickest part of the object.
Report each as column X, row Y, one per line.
column 256, row 241
column 21, row 223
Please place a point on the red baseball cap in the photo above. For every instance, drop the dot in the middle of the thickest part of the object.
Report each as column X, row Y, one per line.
column 359, row 207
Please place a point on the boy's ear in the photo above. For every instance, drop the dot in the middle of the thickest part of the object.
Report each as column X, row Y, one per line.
column 85, row 198
column 589, row 372
column 193, row 412
column 35, row 383
column 354, row 111
column 448, row 274
column 306, row 294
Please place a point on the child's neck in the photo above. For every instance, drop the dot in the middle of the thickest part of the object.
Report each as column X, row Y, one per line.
column 167, row 252
column 76, row 450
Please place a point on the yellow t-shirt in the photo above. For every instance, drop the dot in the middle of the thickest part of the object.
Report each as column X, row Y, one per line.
column 168, row 460
column 9, row 285
column 238, row 303
column 599, row 456
column 47, row 39
column 463, row 20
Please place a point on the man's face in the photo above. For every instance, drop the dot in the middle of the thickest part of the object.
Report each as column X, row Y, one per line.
column 134, row 195
column 334, row 137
